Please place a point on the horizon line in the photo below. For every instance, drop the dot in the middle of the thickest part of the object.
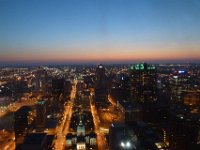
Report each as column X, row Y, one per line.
column 110, row 62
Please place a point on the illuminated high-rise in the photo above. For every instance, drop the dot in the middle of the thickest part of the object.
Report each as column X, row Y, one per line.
column 40, row 82
column 179, row 83
column 143, row 83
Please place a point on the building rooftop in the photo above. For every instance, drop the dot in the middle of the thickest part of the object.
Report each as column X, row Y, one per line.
column 36, row 138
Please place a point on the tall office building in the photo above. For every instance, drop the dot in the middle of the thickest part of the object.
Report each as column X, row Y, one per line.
column 40, row 82
column 179, row 83
column 143, row 83
column 100, row 76
column 41, row 114
column 59, row 89
column 101, row 88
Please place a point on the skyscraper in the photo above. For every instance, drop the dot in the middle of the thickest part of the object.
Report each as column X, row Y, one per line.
column 59, row 89
column 179, row 83
column 101, row 88
column 143, row 83
column 40, row 81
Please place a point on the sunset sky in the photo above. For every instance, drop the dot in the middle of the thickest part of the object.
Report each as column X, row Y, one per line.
column 95, row 31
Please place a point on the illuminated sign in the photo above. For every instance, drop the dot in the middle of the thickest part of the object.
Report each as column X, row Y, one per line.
column 181, row 71
column 142, row 67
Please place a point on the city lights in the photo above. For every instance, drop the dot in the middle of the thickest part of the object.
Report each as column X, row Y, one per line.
column 100, row 75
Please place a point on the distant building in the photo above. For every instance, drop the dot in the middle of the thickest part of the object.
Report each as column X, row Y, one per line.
column 40, row 82
column 179, row 83
column 58, row 86
column 59, row 89
column 143, row 83
column 100, row 76
column 101, row 88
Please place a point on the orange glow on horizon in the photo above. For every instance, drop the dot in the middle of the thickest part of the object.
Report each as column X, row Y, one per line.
column 101, row 56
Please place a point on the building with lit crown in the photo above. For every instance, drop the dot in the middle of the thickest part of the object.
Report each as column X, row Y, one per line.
column 143, row 83
column 101, row 88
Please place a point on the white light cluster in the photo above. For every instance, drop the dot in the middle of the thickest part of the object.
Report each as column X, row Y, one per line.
column 126, row 145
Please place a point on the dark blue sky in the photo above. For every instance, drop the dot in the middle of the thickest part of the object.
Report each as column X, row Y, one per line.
column 99, row 30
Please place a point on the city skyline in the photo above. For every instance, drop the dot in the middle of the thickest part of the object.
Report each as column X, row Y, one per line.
column 48, row 32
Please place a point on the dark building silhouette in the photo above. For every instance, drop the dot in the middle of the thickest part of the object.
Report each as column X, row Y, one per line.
column 58, row 85
column 184, row 131
column 59, row 89
column 125, row 86
column 101, row 88
column 120, row 87
column 40, row 82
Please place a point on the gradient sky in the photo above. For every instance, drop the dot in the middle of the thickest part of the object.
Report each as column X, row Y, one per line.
column 99, row 30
